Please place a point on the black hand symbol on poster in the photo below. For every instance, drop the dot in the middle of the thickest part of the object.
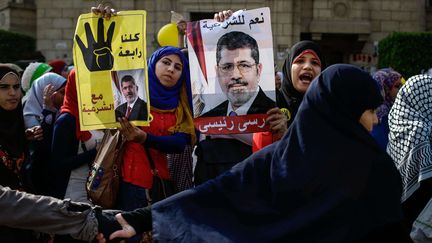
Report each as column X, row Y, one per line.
column 97, row 55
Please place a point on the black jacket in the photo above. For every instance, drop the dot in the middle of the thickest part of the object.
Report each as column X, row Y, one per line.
column 139, row 111
column 260, row 105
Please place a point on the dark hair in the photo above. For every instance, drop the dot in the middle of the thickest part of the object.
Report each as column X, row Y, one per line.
column 128, row 78
column 235, row 40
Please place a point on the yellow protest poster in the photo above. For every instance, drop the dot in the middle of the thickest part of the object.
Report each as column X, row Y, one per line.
column 111, row 70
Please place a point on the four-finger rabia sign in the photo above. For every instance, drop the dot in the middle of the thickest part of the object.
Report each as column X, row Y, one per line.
column 111, row 71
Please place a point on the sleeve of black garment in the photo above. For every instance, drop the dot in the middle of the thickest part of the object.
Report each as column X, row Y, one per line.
column 392, row 232
column 47, row 128
column 140, row 219
column 65, row 146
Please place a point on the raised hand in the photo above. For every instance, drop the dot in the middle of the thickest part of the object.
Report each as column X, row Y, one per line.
column 181, row 27
column 98, row 54
column 47, row 97
column 222, row 15
column 277, row 121
column 105, row 11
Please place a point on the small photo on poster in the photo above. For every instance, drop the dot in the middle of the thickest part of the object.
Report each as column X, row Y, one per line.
column 130, row 96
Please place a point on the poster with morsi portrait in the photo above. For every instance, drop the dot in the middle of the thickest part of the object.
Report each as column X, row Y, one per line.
column 232, row 72
column 111, row 76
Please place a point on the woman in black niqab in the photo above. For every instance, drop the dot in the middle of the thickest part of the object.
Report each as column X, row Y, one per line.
column 327, row 180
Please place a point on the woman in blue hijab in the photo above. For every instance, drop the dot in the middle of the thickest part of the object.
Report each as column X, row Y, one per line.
column 326, row 180
column 169, row 132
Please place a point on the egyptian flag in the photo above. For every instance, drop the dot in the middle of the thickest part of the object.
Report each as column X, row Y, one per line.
column 195, row 38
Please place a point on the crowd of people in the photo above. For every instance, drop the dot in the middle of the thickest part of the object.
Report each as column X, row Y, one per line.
column 349, row 159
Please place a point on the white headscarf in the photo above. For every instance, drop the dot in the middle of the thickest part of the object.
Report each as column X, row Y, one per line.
column 280, row 74
column 34, row 104
column 410, row 123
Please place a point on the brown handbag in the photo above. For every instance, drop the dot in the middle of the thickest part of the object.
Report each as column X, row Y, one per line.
column 104, row 179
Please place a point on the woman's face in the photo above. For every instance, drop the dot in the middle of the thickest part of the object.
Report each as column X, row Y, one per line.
column 10, row 92
column 168, row 70
column 278, row 81
column 395, row 89
column 368, row 119
column 58, row 96
column 303, row 70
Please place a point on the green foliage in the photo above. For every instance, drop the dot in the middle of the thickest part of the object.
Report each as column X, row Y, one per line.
column 15, row 46
column 407, row 53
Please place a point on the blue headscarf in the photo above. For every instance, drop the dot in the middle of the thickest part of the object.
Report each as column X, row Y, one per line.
column 325, row 181
column 162, row 97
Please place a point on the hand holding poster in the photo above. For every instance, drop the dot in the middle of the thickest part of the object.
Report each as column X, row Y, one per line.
column 109, row 57
column 232, row 72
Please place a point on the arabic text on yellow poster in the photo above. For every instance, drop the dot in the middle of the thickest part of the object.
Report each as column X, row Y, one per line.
column 109, row 55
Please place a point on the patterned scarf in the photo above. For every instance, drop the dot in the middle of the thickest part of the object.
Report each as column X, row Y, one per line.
column 386, row 78
column 410, row 122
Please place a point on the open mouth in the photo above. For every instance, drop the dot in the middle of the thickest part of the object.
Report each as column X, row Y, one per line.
column 306, row 77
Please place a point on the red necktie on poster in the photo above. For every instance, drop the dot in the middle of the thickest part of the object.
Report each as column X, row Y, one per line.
column 128, row 111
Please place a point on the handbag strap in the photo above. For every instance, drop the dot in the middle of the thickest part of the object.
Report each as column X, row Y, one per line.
column 155, row 173
column 151, row 162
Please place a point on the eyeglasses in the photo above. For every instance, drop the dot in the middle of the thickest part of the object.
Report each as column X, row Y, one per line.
column 228, row 69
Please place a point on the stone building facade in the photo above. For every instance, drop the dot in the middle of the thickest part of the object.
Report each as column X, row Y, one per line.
column 347, row 30
column 18, row 16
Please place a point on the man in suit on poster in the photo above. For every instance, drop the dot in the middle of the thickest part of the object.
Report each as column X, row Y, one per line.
column 238, row 71
column 134, row 108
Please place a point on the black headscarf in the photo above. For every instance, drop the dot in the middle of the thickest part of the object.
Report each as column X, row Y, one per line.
column 291, row 98
column 12, row 137
column 326, row 181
